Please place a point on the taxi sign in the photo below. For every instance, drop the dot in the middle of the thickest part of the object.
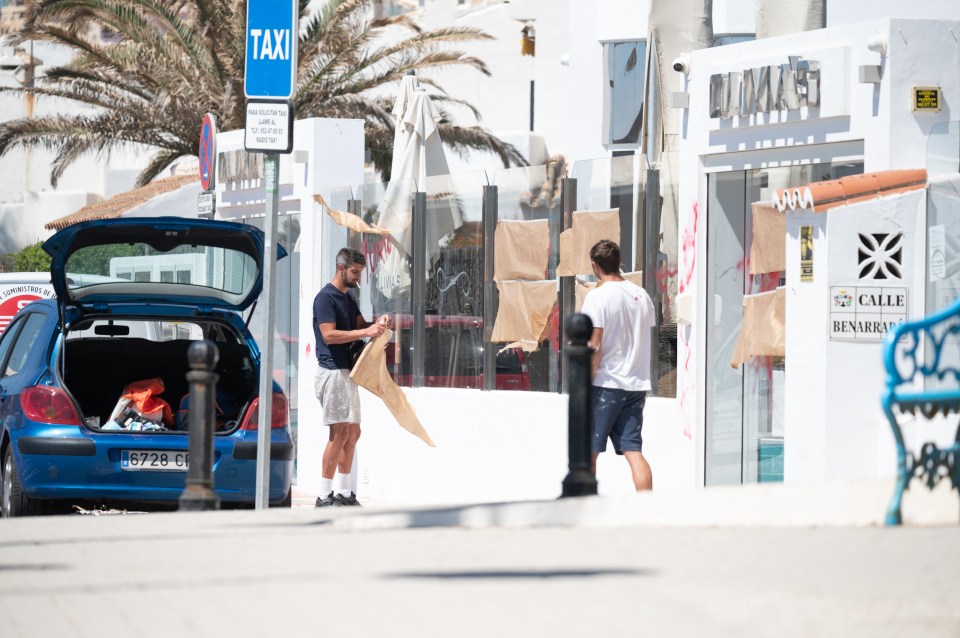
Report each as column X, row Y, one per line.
column 270, row 72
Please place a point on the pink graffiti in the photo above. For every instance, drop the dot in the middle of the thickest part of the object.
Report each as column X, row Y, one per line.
column 663, row 275
column 375, row 251
column 688, row 249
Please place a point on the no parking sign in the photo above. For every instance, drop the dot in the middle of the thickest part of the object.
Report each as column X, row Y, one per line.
column 208, row 151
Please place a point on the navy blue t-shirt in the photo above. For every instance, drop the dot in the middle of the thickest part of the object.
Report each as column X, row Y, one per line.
column 341, row 309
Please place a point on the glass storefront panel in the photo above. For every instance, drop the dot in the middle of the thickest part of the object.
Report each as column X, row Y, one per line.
column 621, row 183
column 453, row 290
column 744, row 424
column 531, row 193
column 943, row 269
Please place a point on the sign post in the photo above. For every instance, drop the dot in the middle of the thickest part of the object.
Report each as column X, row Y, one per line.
column 269, row 81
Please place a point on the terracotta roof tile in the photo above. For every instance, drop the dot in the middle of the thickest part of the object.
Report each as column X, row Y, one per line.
column 858, row 188
column 122, row 202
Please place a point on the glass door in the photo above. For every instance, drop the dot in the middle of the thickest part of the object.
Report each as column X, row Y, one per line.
column 744, row 426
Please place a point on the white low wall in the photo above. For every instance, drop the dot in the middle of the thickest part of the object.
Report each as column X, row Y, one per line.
column 491, row 447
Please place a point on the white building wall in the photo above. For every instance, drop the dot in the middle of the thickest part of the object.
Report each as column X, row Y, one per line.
column 873, row 122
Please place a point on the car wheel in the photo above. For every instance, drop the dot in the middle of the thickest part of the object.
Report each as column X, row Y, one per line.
column 287, row 500
column 13, row 501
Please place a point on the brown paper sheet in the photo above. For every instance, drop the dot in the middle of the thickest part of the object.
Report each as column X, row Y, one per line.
column 349, row 220
column 764, row 326
column 521, row 250
column 524, row 312
column 589, row 227
column 370, row 372
column 583, row 287
column 768, row 249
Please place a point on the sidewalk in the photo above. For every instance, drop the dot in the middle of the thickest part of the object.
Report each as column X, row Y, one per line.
column 763, row 560
column 841, row 504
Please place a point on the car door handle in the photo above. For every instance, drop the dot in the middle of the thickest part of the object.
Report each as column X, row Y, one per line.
column 3, row 395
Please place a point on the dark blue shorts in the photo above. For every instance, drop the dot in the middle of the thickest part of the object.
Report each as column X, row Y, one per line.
column 617, row 415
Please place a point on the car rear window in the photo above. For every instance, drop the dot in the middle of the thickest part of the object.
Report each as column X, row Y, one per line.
column 139, row 268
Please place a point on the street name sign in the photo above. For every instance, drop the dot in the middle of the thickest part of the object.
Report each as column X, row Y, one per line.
column 269, row 127
column 270, row 72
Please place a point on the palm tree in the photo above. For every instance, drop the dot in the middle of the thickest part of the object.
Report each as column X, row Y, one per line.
column 151, row 69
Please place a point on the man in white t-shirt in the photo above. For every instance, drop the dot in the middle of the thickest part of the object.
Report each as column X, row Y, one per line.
column 623, row 321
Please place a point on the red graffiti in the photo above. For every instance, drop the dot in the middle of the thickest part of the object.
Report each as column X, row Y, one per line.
column 663, row 275
column 688, row 249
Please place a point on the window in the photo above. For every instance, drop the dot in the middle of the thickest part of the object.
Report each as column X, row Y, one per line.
column 24, row 343
column 9, row 336
column 624, row 76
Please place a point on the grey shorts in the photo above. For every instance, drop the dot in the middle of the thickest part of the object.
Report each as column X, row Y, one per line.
column 617, row 415
column 338, row 395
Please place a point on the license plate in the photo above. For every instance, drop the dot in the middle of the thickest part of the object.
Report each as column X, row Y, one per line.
column 153, row 460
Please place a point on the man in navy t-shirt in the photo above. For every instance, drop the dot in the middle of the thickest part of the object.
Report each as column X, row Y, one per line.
column 336, row 323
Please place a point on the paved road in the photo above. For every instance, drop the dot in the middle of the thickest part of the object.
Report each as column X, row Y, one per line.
column 303, row 572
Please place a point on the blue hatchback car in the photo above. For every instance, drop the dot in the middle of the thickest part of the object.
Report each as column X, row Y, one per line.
column 131, row 297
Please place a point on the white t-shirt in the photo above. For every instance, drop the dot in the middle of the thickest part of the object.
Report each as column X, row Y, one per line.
column 626, row 314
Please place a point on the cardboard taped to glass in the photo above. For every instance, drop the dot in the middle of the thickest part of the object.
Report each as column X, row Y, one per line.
column 589, row 227
column 143, row 396
column 370, row 373
column 521, row 249
column 583, row 287
column 764, row 326
column 768, row 252
column 349, row 220
column 524, row 312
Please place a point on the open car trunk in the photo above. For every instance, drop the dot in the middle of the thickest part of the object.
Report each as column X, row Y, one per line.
column 120, row 361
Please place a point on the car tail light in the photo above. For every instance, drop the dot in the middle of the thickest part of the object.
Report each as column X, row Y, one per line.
column 279, row 417
column 47, row 404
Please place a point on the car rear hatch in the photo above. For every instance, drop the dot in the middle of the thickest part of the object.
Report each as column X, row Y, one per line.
column 199, row 263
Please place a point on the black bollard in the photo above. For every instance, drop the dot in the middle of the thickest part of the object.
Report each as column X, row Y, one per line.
column 580, row 480
column 198, row 494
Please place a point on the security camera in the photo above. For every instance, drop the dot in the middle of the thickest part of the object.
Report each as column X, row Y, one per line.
column 682, row 64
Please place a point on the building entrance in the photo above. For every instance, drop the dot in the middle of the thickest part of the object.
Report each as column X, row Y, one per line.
column 744, row 404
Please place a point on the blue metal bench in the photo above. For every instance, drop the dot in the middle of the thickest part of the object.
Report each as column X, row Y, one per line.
column 914, row 353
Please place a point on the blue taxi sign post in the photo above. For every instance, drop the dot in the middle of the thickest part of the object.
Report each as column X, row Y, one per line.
column 270, row 72
column 269, row 81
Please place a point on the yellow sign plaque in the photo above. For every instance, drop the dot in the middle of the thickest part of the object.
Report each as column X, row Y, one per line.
column 926, row 98
column 806, row 253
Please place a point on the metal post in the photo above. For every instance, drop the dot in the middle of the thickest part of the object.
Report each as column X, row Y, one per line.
column 417, row 288
column 198, row 494
column 652, row 205
column 354, row 238
column 490, row 295
column 580, row 480
column 567, row 284
column 271, row 163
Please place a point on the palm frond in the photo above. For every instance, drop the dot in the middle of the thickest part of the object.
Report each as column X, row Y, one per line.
column 167, row 62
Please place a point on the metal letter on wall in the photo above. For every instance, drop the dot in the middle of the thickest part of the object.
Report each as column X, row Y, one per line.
column 764, row 91
column 808, row 82
column 716, row 90
column 748, row 90
column 730, row 95
column 787, row 99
